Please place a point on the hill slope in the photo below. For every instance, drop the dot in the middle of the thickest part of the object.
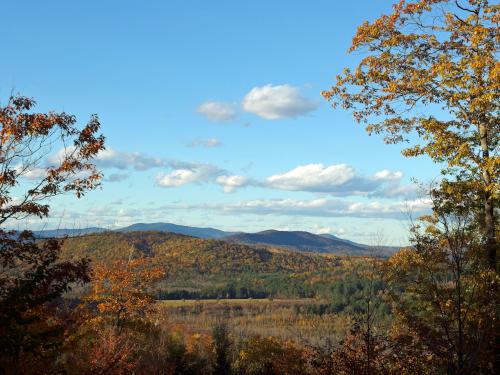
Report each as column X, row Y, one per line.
column 205, row 268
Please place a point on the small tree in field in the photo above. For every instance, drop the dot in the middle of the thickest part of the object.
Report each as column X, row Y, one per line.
column 431, row 76
column 222, row 349
column 30, row 274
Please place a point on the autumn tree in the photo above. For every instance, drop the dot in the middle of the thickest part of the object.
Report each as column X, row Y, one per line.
column 445, row 301
column 222, row 349
column 121, row 292
column 362, row 350
column 270, row 355
column 116, row 327
column 31, row 274
column 430, row 76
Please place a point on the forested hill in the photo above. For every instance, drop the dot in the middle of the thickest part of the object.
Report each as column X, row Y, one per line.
column 208, row 268
column 191, row 254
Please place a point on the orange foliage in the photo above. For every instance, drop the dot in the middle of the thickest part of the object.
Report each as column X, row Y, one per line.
column 122, row 291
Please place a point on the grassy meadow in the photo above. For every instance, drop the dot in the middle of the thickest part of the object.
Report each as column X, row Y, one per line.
column 287, row 319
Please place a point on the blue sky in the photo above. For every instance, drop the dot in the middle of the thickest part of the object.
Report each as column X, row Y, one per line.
column 212, row 114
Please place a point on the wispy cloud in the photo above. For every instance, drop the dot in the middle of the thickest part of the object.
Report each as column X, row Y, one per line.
column 116, row 177
column 111, row 158
column 217, row 111
column 320, row 207
column 207, row 143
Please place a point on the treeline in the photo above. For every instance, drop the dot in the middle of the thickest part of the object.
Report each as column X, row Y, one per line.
column 345, row 295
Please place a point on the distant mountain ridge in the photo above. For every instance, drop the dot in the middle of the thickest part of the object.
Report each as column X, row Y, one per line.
column 305, row 241
column 179, row 229
column 67, row 232
column 292, row 240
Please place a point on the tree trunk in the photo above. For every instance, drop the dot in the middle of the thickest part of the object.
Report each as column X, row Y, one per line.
column 489, row 208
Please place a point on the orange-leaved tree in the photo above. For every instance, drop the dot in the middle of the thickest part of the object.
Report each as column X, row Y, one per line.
column 122, row 292
column 31, row 274
column 116, row 329
column 430, row 76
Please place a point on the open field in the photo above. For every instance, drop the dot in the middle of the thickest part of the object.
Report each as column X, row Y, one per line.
column 284, row 318
column 239, row 301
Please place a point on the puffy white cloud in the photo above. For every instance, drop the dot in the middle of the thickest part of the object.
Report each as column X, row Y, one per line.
column 178, row 177
column 217, row 111
column 335, row 179
column 231, row 183
column 184, row 173
column 208, row 143
column 312, row 177
column 277, row 102
column 341, row 180
column 388, row 175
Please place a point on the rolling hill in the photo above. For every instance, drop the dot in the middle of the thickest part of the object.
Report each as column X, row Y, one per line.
column 292, row 240
column 207, row 268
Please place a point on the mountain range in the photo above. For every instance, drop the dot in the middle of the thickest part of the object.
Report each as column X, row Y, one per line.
column 292, row 240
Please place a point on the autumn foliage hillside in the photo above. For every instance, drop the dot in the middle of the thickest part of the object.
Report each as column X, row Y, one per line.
column 203, row 268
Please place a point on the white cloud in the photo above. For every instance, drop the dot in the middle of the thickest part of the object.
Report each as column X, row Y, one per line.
column 110, row 158
column 277, row 102
column 217, row 111
column 312, row 177
column 60, row 155
column 320, row 207
column 320, row 229
column 335, row 179
column 208, row 143
column 116, row 177
column 187, row 173
column 231, row 183
column 388, row 175
column 395, row 190
column 178, row 177
column 31, row 173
